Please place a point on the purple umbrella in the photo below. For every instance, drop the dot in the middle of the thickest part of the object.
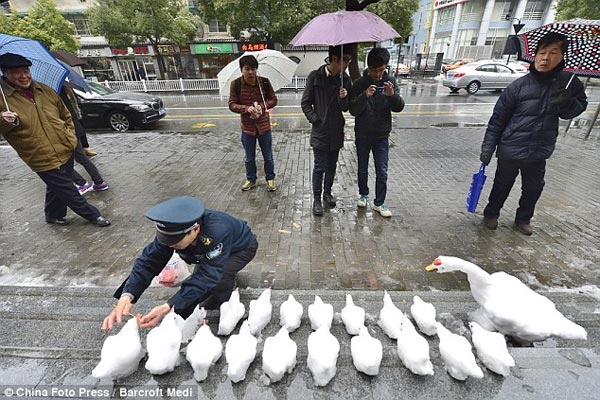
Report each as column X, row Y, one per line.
column 343, row 27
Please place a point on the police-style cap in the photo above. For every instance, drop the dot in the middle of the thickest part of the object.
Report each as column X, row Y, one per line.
column 12, row 60
column 175, row 218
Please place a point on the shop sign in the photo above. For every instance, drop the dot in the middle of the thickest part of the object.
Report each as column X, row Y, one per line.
column 168, row 49
column 89, row 53
column 130, row 51
column 213, row 48
column 446, row 3
column 254, row 46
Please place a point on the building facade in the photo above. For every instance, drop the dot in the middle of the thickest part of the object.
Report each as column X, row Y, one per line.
column 473, row 28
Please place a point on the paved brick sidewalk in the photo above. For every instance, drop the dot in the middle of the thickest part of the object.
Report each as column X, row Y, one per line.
column 429, row 174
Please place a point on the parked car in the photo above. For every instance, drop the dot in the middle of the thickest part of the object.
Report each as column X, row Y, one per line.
column 482, row 75
column 121, row 111
column 402, row 70
column 455, row 64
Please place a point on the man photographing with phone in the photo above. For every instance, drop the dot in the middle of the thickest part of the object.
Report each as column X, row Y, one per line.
column 372, row 99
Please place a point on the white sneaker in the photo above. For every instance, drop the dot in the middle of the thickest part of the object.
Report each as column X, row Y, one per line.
column 383, row 210
column 362, row 201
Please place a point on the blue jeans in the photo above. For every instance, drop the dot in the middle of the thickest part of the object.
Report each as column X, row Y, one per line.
column 380, row 149
column 265, row 143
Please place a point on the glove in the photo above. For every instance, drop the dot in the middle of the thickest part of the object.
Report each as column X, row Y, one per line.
column 485, row 157
column 561, row 98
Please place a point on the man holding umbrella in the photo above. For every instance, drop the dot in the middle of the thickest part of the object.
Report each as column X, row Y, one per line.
column 524, row 126
column 37, row 124
column 323, row 101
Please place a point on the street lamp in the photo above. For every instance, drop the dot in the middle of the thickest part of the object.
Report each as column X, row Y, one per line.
column 517, row 27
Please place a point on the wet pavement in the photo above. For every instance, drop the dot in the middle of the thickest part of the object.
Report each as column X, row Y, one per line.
column 56, row 281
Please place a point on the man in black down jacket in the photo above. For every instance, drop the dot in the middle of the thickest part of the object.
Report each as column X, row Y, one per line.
column 323, row 101
column 524, row 127
column 372, row 100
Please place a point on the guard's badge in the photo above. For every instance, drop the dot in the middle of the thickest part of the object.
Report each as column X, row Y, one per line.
column 214, row 252
column 205, row 240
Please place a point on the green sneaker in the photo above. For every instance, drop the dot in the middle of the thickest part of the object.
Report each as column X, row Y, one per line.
column 248, row 185
column 271, row 185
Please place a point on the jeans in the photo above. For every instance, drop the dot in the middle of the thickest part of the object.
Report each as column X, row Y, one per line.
column 325, row 165
column 380, row 149
column 89, row 166
column 265, row 142
column 532, row 184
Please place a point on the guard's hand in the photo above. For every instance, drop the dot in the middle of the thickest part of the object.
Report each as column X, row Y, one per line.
column 388, row 88
column 343, row 93
column 485, row 157
column 154, row 317
column 370, row 91
column 10, row 117
column 123, row 307
column 561, row 98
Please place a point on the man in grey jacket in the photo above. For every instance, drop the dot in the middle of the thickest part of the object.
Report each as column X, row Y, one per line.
column 323, row 101
column 372, row 100
column 524, row 126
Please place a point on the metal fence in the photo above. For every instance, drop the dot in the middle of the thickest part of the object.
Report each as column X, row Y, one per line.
column 184, row 85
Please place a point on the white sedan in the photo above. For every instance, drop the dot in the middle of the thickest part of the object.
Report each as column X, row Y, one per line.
column 482, row 75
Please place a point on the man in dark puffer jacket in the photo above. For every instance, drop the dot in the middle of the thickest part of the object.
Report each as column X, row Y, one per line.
column 524, row 126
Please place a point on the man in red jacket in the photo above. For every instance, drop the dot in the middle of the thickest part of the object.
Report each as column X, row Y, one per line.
column 251, row 96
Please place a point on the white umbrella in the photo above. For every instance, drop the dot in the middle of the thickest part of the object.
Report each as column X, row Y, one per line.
column 272, row 65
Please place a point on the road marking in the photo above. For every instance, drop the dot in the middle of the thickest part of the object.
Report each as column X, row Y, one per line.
column 203, row 125
column 298, row 106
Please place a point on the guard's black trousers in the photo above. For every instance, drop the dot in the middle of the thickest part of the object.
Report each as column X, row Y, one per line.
column 532, row 184
column 222, row 292
column 61, row 193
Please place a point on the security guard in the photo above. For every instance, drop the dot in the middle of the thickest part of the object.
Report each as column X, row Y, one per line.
column 219, row 244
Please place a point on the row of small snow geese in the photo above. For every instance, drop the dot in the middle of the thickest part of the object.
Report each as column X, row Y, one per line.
column 121, row 353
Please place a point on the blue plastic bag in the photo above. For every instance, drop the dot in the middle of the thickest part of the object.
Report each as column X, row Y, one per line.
column 475, row 189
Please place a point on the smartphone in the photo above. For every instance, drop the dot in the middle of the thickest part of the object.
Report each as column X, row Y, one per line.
column 379, row 89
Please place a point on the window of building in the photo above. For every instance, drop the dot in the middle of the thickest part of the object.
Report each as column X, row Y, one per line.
column 472, row 11
column 534, row 10
column 501, row 10
column 80, row 21
column 446, row 16
column 216, row 26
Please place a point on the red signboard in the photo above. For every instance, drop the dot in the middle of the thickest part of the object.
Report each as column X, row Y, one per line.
column 129, row 51
column 253, row 46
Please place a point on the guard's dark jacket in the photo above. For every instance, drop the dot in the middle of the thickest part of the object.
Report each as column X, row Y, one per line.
column 524, row 125
column 373, row 113
column 323, row 108
column 220, row 235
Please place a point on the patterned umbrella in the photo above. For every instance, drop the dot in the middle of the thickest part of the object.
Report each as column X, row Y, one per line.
column 45, row 68
column 583, row 54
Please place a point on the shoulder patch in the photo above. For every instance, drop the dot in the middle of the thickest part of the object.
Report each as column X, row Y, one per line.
column 214, row 252
column 205, row 240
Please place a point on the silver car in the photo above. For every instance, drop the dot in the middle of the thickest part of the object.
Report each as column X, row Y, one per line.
column 482, row 75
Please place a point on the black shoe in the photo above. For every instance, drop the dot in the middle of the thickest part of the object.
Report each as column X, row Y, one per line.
column 490, row 223
column 58, row 221
column 525, row 229
column 317, row 206
column 101, row 222
column 328, row 199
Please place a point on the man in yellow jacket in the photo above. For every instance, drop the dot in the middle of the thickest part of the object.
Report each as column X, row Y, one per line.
column 37, row 124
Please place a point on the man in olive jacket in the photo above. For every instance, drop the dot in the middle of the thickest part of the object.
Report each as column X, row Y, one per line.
column 323, row 101
column 37, row 124
column 524, row 126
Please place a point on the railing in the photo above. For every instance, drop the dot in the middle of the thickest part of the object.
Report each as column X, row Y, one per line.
column 185, row 85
